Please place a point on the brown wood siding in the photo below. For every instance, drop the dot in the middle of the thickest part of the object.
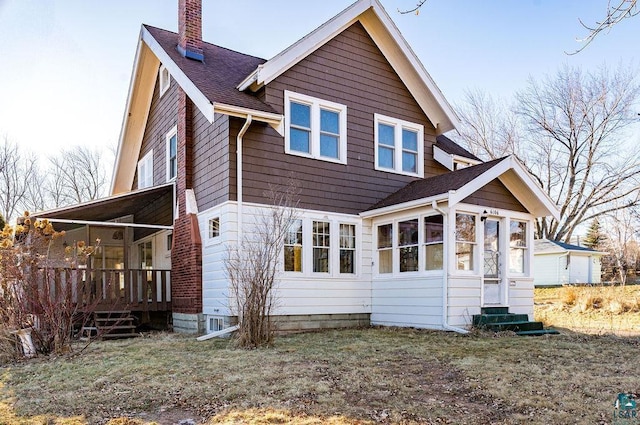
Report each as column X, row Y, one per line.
column 495, row 195
column 211, row 159
column 162, row 117
column 351, row 70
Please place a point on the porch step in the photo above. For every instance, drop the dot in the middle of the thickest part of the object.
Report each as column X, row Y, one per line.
column 499, row 319
column 115, row 324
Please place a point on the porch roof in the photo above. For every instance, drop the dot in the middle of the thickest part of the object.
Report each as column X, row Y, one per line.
column 150, row 207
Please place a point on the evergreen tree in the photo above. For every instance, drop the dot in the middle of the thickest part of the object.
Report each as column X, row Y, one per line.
column 595, row 238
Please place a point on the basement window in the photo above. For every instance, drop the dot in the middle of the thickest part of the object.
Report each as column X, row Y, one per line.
column 165, row 79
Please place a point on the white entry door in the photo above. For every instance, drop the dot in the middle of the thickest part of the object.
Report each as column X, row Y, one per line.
column 492, row 279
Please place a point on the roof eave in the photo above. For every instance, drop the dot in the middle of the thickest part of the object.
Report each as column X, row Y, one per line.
column 404, row 206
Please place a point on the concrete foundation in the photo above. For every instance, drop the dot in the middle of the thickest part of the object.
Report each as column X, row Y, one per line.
column 188, row 323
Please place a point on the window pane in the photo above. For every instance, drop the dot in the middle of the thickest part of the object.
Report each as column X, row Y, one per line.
column 329, row 121
column 385, row 236
column 516, row 260
column 518, row 230
column 347, row 248
column 321, row 241
column 386, row 135
column 433, row 228
column 214, row 228
column 464, row 256
column 465, row 227
column 328, row 146
column 293, row 247
column 408, row 232
column 409, row 162
column 173, row 148
column 433, row 257
column 409, row 259
column 300, row 115
column 385, row 260
column 385, row 157
column 409, row 140
column 299, row 140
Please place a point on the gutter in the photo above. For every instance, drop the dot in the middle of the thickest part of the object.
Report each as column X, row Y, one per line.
column 445, row 282
column 241, row 133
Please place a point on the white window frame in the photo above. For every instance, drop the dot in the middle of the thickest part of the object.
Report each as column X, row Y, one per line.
column 524, row 249
column 173, row 132
column 334, row 249
column 398, row 126
column 314, row 143
column 165, row 79
column 475, row 254
column 145, row 171
column 210, row 233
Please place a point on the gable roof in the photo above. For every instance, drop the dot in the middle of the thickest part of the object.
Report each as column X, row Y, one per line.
column 373, row 17
column 455, row 186
column 547, row 246
column 224, row 81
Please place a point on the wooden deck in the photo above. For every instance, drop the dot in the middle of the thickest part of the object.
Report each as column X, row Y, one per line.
column 136, row 290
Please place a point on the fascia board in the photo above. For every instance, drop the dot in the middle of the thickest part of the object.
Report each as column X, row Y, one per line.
column 138, row 102
column 403, row 206
column 196, row 96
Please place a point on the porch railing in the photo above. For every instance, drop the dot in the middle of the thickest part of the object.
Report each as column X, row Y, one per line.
column 111, row 289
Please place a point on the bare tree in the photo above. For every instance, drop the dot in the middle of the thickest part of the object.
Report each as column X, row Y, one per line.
column 253, row 266
column 621, row 244
column 16, row 175
column 77, row 175
column 570, row 132
column 616, row 12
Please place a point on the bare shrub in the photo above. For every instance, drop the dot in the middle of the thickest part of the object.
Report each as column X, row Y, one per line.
column 32, row 295
column 569, row 295
column 252, row 268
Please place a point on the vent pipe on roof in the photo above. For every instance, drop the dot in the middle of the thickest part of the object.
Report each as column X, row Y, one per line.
column 190, row 29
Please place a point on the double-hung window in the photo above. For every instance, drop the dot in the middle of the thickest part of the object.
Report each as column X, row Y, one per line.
column 316, row 128
column 385, row 248
column 347, row 248
column 172, row 153
column 399, row 146
column 433, row 242
column 517, row 246
column 321, row 246
column 408, row 245
column 293, row 247
column 465, row 241
column 145, row 171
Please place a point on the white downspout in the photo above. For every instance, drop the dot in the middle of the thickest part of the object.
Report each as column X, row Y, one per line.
column 445, row 273
column 241, row 133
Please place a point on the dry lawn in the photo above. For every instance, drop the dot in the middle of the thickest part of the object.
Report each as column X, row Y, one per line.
column 356, row 376
column 592, row 309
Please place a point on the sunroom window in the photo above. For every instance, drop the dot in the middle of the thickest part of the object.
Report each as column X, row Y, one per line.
column 433, row 242
column 408, row 245
column 321, row 246
column 315, row 128
column 517, row 246
column 385, row 248
column 293, row 247
column 398, row 146
column 465, row 241
column 347, row 248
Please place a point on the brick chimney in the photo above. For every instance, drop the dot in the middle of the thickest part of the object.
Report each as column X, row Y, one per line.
column 190, row 29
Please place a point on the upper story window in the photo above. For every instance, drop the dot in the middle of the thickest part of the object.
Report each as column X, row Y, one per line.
column 517, row 246
column 172, row 153
column 399, row 146
column 165, row 79
column 145, row 171
column 315, row 128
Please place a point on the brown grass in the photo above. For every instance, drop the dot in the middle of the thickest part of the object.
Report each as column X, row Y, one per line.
column 593, row 309
column 342, row 377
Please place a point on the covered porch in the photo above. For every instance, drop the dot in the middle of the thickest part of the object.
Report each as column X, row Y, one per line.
column 129, row 267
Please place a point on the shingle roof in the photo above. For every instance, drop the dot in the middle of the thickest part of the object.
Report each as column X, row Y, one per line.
column 220, row 73
column 432, row 186
column 451, row 147
column 548, row 246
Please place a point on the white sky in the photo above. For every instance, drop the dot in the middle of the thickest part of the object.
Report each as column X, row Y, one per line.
column 65, row 64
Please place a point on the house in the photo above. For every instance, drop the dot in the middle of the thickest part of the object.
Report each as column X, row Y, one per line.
column 559, row 263
column 398, row 225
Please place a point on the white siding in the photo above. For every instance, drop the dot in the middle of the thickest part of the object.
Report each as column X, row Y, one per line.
column 550, row 269
column 580, row 265
column 521, row 296
column 463, row 299
column 400, row 301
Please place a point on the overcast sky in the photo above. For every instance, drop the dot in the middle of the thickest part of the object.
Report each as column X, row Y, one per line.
column 65, row 65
